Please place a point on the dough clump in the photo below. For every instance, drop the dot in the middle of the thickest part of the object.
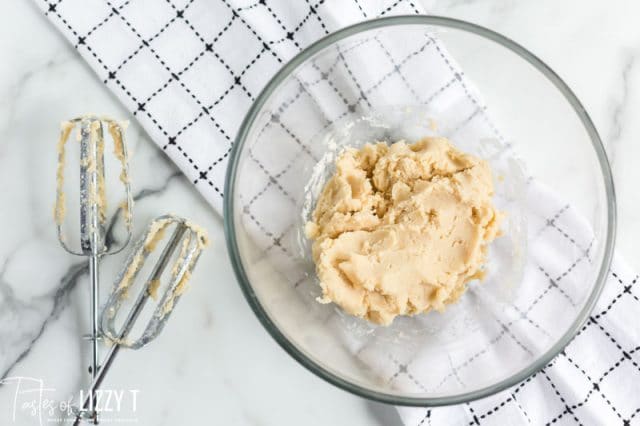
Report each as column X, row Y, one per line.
column 401, row 229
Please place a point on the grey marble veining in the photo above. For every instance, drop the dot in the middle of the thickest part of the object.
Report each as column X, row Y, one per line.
column 620, row 107
column 214, row 355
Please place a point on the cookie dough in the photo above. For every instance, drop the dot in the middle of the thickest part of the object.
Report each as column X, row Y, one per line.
column 401, row 229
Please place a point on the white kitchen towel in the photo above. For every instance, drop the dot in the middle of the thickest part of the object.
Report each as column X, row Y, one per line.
column 189, row 69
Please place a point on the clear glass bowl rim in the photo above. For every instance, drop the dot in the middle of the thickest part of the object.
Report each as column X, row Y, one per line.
column 243, row 280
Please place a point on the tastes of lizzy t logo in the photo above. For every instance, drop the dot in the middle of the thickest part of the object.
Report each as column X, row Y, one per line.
column 31, row 398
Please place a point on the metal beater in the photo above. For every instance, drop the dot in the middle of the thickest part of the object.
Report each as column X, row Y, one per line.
column 93, row 204
column 181, row 252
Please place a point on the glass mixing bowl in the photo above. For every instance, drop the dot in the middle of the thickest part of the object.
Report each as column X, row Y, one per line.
column 403, row 78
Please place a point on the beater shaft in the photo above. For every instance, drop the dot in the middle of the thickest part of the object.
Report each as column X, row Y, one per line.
column 94, row 273
column 92, row 221
column 92, row 187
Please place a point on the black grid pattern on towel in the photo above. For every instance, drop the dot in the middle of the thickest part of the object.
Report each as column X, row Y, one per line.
column 121, row 39
column 179, row 18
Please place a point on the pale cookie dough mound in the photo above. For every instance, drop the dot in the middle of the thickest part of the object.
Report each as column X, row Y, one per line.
column 401, row 229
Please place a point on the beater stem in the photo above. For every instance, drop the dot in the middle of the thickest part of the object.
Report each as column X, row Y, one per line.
column 94, row 274
column 97, row 381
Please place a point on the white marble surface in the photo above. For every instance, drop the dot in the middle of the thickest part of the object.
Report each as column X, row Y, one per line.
column 214, row 361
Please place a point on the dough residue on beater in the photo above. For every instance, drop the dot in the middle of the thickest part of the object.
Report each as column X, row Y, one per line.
column 126, row 212
column 101, row 190
column 180, row 288
column 60, row 211
column 153, row 288
column 401, row 229
column 154, row 235
column 120, row 151
column 203, row 238
column 97, row 190
column 181, row 270
column 115, row 129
